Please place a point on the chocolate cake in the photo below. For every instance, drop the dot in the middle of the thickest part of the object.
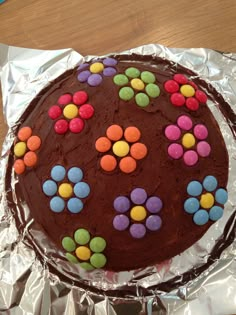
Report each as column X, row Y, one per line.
column 121, row 162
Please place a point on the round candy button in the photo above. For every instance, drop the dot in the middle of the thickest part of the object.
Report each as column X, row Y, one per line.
column 30, row 159
column 177, row 99
column 190, row 158
column 120, row 79
column 24, row 133
column 132, row 72
column 83, row 76
column 175, row 151
column 58, row 173
column 86, row 266
column 82, row 236
column 138, row 213
column 65, row 190
column 138, row 196
column 203, row 148
column 191, row 205
column 98, row 260
column 64, row 99
column 126, row 93
column 103, row 144
column 33, row 143
column 192, row 103
column 201, row 96
column 75, row 174
column 114, row 132
column 49, row 187
column 210, row 183
column 83, row 253
column 137, row 84
column 194, row 188
column 109, row 72
column 187, row 90
column 180, row 78
column 127, row 164
column 70, row 111
column 76, row 125
column 19, row 166
column 132, row 134
column 148, row 77
column 121, row 222
column 215, row 213
column 80, row 98
column 94, row 79
column 71, row 258
column 20, row 149
column 153, row 222
column 108, row 163
column 96, row 67
column 68, row 244
column 54, row 112
column 57, row 204
column 152, row 90
column 154, row 204
column 201, row 217
column 61, row 126
column 137, row 230
column 200, row 131
column 86, row 111
column 171, row 86
column 82, row 190
column 221, row 196
column 172, row 132
column 74, row 205
column 120, row 148
column 110, row 62
column 97, row 244
column 185, row 122
column 138, row 151
column 188, row 141
column 142, row 99
column 121, row 204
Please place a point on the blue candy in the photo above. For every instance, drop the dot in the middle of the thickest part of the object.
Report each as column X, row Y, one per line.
column 201, row 217
column 215, row 213
column 194, row 188
column 210, row 183
column 74, row 205
column 57, row 204
column 49, row 187
column 82, row 190
column 221, row 196
column 191, row 205
column 58, row 173
column 75, row 174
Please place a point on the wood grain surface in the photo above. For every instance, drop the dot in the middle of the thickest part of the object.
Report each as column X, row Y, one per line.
column 103, row 26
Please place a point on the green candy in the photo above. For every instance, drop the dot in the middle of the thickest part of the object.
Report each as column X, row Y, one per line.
column 97, row 244
column 98, row 260
column 148, row 77
column 142, row 99
column 72, row 258
column 82, row 236
column 126, row 93
column 132, row 72
column 68, row 244
column 152, row 90
column 120, row 79
column 86, row 266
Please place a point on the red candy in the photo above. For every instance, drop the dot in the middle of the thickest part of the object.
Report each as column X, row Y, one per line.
column 61, row 126
column 193, row 85
column 180, row 78
column 64, row 99
column 192, row 103
column 171, row 86
column 76, row 125
column 54, row 112
column 177, row 99
column 80, row 97
column 201, row 96
column 86, row 111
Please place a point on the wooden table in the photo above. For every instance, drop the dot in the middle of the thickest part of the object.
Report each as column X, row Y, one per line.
column 103, row 26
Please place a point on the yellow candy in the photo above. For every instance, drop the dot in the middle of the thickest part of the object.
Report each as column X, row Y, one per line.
column 188, row 140
column 207, row 201
column 70, row 111
column 96, row 67
column 138, row 213
column 137, row 84
column 120, row 148
column 65, row 190
column 20, row 149
column 83, row 252
column 187, row 90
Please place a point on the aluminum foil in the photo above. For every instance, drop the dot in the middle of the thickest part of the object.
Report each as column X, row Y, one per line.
column 202, row 280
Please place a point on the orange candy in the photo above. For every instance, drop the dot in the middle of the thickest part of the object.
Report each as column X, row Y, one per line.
column 34, row 143
column 30, row 159
column 24, row 133
column 138, row 151
column 114, row 132
column 127, row 164
column 103, row 144
column 132, row 134
column 108, row 163
column 19, row 166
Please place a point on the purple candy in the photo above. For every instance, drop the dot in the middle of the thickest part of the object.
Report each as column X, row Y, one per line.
column 154, row 204
column 109, row 72
column 153, row 222
column 121, row 222
column 138, row 196
column 83, row 76
column 83, row 66
column 137, row 230
column 121, row 204
column 110, row 61
column 94, row 79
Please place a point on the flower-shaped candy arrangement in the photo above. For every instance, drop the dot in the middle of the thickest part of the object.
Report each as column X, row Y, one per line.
column 138, row 213
column 206, row 200
column 93, row 74
column 85, row 250
column 141, row 85
column 184, row 92
column 74, row 111
column 125, row 146
column 25, row 150
column 66, row 190
column 188, row 141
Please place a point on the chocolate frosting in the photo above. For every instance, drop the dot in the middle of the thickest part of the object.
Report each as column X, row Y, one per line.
column 158, row 174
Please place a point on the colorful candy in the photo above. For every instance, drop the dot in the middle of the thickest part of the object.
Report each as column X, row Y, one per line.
column 61, row 126
column 33, row 143
column 82, row 236
column 20, row 149
column 49, row 187
column 75, row 174
column 58, row 173
column 120, row 148
column 137, row 84
column 126, row 93
column 19, row 166
column 108, row 163
column 30, row 159
column 114, row 132
column 24, row 133
column 83, row 253
column 57, row 204
column 76, row 125
column 54, row 112
column 121, row 222
column 127, row 165
column 97, row 244
column 138, row 213
column 68, row 244
column 121, row 204
column 65, row 190
column 81, row 190
column 70, row 111
column 75, row 205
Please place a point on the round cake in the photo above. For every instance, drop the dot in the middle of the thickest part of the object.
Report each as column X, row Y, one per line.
column 121, row 162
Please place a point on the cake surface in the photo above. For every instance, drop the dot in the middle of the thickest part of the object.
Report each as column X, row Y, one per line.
column 150, row 170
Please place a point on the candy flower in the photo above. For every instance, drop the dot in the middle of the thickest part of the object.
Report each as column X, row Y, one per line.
column 138, row 213
column 122, row 146
column 184, row 92
column 93, row 74
column 25, row 150
column 188, row 141
column 72, row 110
column 140, row 85
column 85, row 250
column 205, row 200
column 66, row 189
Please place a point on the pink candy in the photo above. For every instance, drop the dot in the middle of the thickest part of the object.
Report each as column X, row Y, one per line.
column 200, row 132
column 184, row 122
column 203, row 148
column 190, row 157
column 172, row 132
column 175, row 151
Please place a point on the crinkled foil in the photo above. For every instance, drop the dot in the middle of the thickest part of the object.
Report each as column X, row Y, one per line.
column 35, row 279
